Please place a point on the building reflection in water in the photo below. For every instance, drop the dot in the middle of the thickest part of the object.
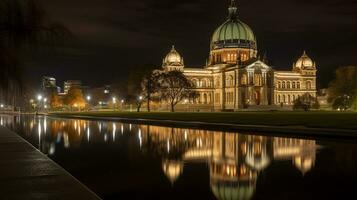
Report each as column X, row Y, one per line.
column 235, row 160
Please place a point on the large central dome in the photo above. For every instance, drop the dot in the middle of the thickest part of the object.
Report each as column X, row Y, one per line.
column 233, row 33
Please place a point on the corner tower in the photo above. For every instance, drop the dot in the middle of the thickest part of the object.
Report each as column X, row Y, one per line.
column 233, row 41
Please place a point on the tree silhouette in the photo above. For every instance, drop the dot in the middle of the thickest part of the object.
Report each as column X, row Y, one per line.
column 24, row 25
column 342, row 90
column 150, row 85
column 175, row 87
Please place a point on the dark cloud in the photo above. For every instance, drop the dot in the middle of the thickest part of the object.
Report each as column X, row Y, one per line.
column 115, row 36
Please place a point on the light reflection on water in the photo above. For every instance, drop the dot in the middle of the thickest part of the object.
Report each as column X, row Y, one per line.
column 234, row 161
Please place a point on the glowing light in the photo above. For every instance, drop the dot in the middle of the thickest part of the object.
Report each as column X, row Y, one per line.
column 168, row 146
column 89, row 98
column 140, row 138
column 39, row 97
column 185, row 135
column 114, row 131
column 45, row 100
column 122, row 129
column 2, row 105
column 88, row 134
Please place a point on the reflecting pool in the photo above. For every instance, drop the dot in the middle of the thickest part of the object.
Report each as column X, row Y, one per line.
column 130, row 161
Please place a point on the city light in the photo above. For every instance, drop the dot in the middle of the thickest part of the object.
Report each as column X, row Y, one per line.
column 45, row 100
column 89, row 98
column 2, row 105
column 114, row 100
column 39, row 97
column 140, row 98
column 122, row 101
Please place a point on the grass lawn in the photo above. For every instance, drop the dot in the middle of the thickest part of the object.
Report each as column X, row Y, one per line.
column 316, row 119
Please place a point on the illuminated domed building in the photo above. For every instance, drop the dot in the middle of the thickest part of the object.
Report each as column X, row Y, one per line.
column 235, row 77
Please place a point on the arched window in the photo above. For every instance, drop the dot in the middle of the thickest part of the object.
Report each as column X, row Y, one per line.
column 293, row 97
column 294, row 85
column 288, row 84
column 204, row 83
column 298, row 85
column 279, row 98
column 229, row 81
column 283, row 86
column 289, row 99
column 279, row 84
column 205, row 101
column 284, row 99
column 257, row 79
column 308, row 85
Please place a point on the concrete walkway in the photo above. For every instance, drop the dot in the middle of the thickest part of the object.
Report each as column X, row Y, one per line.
column 26, row 173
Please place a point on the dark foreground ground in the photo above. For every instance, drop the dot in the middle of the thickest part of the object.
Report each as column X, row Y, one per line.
column 26, row 173
column 321, row 119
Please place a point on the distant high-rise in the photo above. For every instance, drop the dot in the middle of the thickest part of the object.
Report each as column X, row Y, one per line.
column 49, row 85
column 71, row 84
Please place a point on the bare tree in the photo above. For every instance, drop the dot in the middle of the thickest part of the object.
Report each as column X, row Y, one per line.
column 175, row 87
column 150, row 85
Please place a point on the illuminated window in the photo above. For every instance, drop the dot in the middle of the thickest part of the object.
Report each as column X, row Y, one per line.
column 257, row 79
column 244, row 79
column 308, row 85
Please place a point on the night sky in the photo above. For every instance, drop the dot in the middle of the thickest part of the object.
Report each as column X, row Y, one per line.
column 113, row 37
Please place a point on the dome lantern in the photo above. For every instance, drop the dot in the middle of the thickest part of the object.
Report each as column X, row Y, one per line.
column 233, row 33
column 173, row 60
column 304, row 62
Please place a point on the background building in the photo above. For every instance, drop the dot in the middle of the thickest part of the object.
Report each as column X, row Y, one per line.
column 235, row 77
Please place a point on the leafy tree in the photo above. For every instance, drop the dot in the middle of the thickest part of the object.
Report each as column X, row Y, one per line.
column 175, row 87
column 75, row 98
column 150, row 85
column 55, row 101
column 306, row 102
column 343, row 89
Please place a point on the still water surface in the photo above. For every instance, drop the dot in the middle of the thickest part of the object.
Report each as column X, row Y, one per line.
column 127, row 161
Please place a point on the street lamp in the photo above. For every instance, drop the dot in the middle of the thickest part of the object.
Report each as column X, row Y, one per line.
column 140, row 98
column 89, row 98
column 114, row 102
column 45, row 100
column 39, row 97
column 122, row 103
column 2, row 105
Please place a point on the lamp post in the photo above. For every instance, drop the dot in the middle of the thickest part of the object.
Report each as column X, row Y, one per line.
column 122, row 104
column 39, row 102
column 114, row 102
column 88, row 101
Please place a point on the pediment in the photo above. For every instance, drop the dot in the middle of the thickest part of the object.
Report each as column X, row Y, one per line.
column 258, row 65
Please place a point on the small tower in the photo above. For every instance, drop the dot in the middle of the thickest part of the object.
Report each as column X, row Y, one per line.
column 173, row 61
column 305, row 65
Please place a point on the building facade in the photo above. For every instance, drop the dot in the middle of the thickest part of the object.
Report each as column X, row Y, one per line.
column 235, row 77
